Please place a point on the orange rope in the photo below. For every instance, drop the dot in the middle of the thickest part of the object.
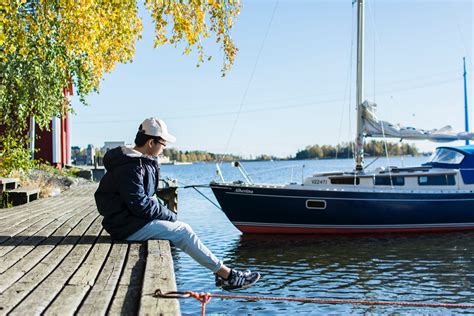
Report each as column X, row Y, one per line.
column 204, row 298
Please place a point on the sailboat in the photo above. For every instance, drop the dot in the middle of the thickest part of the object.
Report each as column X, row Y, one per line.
column 436, row 196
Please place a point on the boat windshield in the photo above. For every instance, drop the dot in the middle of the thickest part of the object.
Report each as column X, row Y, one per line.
column 447, row 156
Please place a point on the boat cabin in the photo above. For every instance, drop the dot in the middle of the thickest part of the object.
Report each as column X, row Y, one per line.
column 461, row 158
column 449, row 168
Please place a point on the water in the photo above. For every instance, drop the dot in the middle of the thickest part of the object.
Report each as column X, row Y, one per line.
column 416, row 268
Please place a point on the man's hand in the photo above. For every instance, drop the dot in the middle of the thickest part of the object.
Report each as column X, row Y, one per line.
column 161, row 202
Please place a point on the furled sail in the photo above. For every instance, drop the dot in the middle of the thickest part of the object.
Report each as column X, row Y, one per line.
column 373, row 127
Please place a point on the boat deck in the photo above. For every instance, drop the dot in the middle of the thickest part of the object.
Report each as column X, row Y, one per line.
column 56, row 259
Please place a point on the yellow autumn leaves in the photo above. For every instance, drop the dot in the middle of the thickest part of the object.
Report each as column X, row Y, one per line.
column 192, row 21
column 44, row 44
column 105, row 32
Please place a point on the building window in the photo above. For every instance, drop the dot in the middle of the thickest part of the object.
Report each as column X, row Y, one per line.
column 389, row 181
column 437, row 180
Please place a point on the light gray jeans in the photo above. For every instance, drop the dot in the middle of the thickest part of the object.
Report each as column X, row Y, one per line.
column 182, row 236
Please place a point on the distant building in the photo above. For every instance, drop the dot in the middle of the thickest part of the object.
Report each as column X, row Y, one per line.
column 90, row 154
column 78, row 156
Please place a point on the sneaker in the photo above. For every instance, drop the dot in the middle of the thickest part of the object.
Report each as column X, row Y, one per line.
column 237, row 280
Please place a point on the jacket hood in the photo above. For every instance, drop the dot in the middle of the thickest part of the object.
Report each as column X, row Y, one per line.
column 124, row 155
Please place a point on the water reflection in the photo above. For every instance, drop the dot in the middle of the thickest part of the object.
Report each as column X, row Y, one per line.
column 418, row 268
column 436, row 268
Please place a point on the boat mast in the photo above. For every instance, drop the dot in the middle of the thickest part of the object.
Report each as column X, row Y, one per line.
column 466, row 115
column 359, row 142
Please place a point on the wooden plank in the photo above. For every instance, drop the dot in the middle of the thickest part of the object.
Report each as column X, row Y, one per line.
column 89, row 270
column 17, row 235
column 27, row 215
column 6, row 213
column 44, row 203
column 24, row 219
column 17, row 291
column 25, row 223
column 40, row 221
column 98, row 299
column 42, row 295
column 127, row 295
column 71, row 296
column 20, row 196
column 19, row 253
column 159, row 274
column 28, row 190
column 8, row 183
column 81, row 192
column 32, row 236
column 22, row 267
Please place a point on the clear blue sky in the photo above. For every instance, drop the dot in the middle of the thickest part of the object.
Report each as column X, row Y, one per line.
column 299, row 93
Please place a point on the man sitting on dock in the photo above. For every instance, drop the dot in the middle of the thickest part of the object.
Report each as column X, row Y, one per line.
column 126, row 198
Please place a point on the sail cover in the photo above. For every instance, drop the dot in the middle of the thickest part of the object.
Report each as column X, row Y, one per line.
column 373, row 127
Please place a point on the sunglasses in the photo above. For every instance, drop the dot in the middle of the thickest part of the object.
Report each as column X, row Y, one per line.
column 160, row 142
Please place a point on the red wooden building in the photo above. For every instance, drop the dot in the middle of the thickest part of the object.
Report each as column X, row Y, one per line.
column 53, row 146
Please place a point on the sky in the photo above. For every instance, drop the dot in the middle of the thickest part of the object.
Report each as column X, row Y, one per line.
column 293, row 81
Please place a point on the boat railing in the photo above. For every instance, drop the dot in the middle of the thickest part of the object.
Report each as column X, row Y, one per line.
column 248, row 176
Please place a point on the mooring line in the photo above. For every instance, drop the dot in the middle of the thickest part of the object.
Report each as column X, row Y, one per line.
column 195, row 186
column 204, row 298
column 207, row 198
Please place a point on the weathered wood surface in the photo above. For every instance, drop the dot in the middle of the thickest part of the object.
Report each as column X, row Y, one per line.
column 20, row 196
column 158, row 262
column 8, row 183
column 56, row 259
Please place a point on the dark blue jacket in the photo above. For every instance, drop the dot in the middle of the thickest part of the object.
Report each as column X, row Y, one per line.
column 124, row 196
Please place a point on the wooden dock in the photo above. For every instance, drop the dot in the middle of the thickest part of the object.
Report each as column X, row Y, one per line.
column 56, row 259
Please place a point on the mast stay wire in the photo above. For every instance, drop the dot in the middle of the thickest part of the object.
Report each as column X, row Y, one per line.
column 372, row 11
column 348, row 83
column 249, row 82
column 463, row 42
column 376, row 42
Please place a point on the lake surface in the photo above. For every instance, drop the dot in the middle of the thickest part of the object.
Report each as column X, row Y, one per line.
column 411, row 267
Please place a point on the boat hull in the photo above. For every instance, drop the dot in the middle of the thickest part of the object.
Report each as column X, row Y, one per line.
column 257, row 209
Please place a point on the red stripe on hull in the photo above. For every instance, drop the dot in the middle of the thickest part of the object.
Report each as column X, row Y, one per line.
column 302, row 230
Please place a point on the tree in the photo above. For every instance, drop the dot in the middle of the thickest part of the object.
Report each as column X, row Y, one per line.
column 47, row 44
column 373, row 148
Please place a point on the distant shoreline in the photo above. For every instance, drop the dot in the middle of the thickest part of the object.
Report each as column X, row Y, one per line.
column 311, row 152
column 284, row 159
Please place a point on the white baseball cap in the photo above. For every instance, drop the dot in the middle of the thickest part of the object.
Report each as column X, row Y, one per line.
column 153, row 126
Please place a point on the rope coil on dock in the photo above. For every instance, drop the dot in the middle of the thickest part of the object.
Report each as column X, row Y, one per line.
column 204, row 298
